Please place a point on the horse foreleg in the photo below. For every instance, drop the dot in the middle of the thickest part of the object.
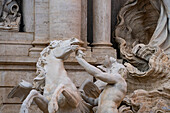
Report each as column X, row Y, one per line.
column 29, row 99
column 53, row 104
column 42, row 103
column 72, row 98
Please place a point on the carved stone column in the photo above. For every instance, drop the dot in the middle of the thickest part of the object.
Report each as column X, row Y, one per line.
column 101, row 22
column 65, row 19
column 102, row 29
column 41, row 35
column 84, row 21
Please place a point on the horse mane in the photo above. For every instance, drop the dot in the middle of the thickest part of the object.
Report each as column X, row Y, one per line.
column 39, row 80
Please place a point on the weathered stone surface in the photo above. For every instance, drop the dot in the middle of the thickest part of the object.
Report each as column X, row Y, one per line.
column 14, row 108
column 101, row 22
column 100, row 52
column 41, row 20
column 4, row 93
column 78, row 77
column 65, row 19
column 84, row 21
column 12, row 78
column 16, row 36
column 141, row 101
column 16, row 50
column 28, row 15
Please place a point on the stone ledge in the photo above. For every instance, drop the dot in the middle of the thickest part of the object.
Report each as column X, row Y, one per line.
column 14, row 108
column 16, row 36
column 32, row 60
column 17, row 60
column 16, row 42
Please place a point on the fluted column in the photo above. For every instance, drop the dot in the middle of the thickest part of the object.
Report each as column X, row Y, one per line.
column 101, row 22
column 65, row 19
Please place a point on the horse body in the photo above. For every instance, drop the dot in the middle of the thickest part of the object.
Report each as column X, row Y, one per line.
column 56, row 75
column 60, row 95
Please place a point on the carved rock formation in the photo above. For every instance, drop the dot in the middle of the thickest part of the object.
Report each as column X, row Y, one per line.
column 136, row 33
column 142, row 101
column 142, row 33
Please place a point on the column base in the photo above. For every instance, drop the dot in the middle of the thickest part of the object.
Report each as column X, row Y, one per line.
column 38, row 47
column 99, row 52
column 102, row 44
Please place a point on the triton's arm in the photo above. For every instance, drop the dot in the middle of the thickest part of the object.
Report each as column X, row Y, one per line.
column 97, row 73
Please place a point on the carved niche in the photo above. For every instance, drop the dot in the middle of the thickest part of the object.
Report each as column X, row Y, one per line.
column 9, row 15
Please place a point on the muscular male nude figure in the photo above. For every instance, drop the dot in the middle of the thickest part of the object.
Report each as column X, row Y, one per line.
column 111, row 73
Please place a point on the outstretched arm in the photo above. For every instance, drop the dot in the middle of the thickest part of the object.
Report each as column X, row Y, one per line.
column 92, row 70
column 88, row 67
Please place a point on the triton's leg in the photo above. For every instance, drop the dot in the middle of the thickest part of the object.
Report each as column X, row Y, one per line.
column 53, row 104
column 107, row 107
column 29, row 99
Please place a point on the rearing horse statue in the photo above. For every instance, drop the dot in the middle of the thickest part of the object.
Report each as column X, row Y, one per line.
column 60, row 95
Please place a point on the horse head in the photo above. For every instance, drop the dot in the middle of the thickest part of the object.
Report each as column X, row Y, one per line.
column 63, row 49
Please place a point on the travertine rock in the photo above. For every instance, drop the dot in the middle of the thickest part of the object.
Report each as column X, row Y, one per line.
column 146, row 63
column 144, row 45
column 142, row 101
column 65, row 19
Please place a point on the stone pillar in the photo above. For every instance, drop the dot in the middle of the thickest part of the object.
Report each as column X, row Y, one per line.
column 84, row 22
column 101, row 22
column 41, row 22
column 65, row 19
column 102, row 30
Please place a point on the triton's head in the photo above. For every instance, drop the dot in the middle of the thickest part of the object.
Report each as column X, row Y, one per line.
column 110, row 65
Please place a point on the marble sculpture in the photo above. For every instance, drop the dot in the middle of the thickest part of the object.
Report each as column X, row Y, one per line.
column 115, row 86
column 139, row 85
column 60, row 95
